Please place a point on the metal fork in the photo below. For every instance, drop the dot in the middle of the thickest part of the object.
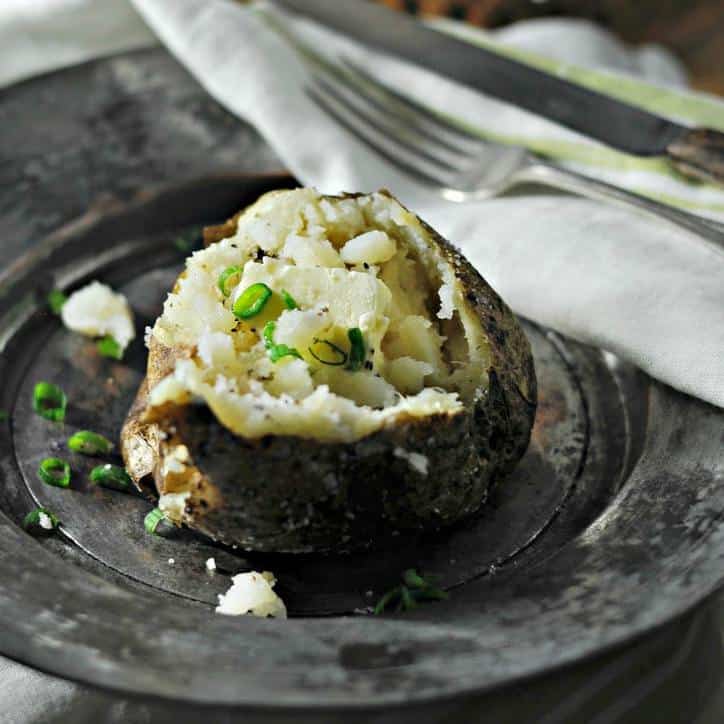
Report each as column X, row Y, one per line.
column 458, row 165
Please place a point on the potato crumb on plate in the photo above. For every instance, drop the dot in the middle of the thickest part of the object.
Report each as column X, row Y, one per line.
column 251, row 593
column 95, row 310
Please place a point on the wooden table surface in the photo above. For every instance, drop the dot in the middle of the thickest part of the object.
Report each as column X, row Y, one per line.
column 692, row 29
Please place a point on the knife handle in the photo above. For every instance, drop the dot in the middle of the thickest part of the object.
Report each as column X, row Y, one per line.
column 699, row 153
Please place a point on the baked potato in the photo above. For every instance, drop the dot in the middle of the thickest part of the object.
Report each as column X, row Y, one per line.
column 326, row 374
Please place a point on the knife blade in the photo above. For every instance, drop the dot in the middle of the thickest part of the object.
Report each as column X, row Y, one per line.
column 697, row 152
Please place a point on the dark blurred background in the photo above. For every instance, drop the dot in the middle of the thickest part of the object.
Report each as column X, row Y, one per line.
column 692, row 29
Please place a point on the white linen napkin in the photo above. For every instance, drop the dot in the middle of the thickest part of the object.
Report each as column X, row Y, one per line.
column 635, row 286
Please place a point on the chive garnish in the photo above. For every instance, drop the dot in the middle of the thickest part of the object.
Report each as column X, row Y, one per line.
column 413, row 579
column 228, row 279
column 279, row 351
column 252, row 300
column 407, row 602
column 327, row 352
column 357, row 349
column 183, row 245
column 188, row 239
column 386, row 599
column 152, row 520
column 276, row 351
column 56, row 299
column 40, row 521
column 108, row 347
column 86, row 442
column 49, row 401
column 111, row 476
column 415, row 588
column 268, row 334
column 430, row 593
column 55, row 472
column 289, row 301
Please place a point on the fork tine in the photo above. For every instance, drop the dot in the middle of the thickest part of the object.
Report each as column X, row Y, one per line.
column 389, row 106
column 386, row 125
column 367, row 137
column 421, row 111
column 342, row 96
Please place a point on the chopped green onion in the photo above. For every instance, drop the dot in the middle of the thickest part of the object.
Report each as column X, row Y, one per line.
column 386, row 599
column 327, row 352
column 40, row 521
column 268, row 334
column 276, row 351
column 56, row 300
column 413, row 579
column 357, row 350
column 54, row 471
column 108, row 347
column 416, row 588
column 424, row 588
column 183, row 245
column 252, row 300
column 279, row 351
column 289, row 302
column 430, row 594
column 111, row 476
column 49, row 401
column 186, row 241
column 86, row 442
column 157, row 523
column 406, row 600
column 228, row 279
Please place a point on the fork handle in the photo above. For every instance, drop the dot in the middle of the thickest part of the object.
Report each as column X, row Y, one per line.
column 548, row 174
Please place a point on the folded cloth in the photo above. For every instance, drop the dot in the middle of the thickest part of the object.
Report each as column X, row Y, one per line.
column 650, row 293
column 43, row 35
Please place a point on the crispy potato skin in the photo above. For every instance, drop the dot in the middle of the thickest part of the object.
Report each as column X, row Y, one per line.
column 286, row 494
column 212, row 234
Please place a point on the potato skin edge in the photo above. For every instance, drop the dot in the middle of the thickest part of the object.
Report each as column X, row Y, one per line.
column 288, row 494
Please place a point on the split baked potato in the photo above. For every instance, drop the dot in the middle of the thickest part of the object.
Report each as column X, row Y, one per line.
column 327, row 373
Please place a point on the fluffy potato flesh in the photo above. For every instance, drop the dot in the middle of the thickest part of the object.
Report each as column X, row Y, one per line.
column 385, row 349
column 348, row 264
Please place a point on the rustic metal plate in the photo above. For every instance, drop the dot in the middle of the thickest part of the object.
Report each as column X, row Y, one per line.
column 565, row 468
column 612, row 523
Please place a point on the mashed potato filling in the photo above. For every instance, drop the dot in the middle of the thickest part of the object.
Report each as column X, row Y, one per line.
column 363, row 323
